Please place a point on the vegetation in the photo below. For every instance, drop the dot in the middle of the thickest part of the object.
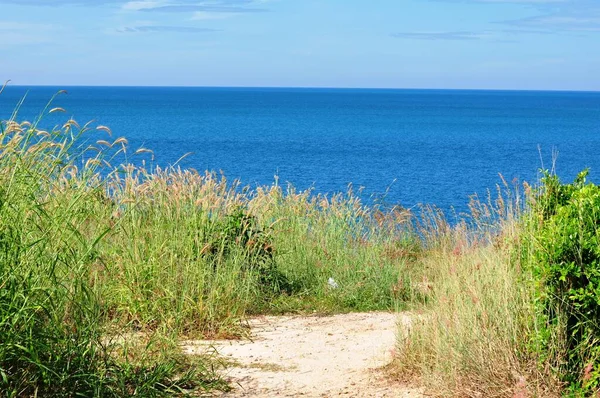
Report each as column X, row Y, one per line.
column 54, row 320
column 564, row 252
column 512, row 308
column 105, row 266
column 472, row 337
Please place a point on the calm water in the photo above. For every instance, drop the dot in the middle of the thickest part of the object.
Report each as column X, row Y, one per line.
column 421, row 146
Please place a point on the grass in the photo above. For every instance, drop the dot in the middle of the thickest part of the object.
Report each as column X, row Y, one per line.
column 473, row 335
column 104, row 265
column 54, row 320
column 193, row 252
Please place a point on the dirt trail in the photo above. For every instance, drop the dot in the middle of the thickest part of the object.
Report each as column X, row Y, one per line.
column 333, row 356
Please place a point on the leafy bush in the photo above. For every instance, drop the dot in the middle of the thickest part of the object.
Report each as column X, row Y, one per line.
column 565, row 261
column 240, row 233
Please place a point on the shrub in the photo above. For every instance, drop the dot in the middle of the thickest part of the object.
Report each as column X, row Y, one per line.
column 240, row 233
column 565, row 260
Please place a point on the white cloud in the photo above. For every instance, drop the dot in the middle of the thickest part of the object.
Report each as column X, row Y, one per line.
column 204, row 15
column 164, row 29
column 574, row 21
column 142, row 5
column 454, row 35
column 524, row 2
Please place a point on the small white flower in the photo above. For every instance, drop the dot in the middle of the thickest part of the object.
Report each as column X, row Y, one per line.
column 332, row 283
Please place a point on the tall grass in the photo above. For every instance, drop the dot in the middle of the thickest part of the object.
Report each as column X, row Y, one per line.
column 104, row 265
column 473, row 337
column 195, row 252
column 52, row 317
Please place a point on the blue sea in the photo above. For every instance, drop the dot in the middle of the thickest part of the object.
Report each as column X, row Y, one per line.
column 401, row 146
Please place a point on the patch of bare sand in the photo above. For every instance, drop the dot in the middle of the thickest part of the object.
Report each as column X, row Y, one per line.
column 313, row 356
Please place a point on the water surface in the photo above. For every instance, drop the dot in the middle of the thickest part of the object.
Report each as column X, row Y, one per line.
column 419, row 146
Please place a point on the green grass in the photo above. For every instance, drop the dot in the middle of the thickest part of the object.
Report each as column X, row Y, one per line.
column 191, row 252
column 54, row 320
column 104, row 267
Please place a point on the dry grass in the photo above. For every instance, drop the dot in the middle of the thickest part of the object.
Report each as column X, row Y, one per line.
column 472, row 338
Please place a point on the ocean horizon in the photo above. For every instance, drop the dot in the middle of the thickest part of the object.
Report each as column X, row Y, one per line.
column 59, row 87
column 402, row 146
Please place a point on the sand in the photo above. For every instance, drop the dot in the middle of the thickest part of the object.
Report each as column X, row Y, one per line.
column 313, row 356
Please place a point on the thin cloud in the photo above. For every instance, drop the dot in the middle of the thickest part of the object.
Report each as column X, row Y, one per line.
column 459, row 35
column 202, row 15
column 526, row 31
column 559, row 22
column 140, row 5
column 57, row 3
column 499, row 36
column 555, row 16
column 524, row 2
column 183, row 8
column 131, row 4
column 533, row 2
column 158, row 28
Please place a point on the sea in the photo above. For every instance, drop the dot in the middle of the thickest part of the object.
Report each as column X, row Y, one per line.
column 392, row 146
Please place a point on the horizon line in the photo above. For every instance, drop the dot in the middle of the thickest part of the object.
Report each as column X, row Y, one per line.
column 7, row 85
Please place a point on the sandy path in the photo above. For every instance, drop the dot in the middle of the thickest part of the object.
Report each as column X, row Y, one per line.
column 331, row 356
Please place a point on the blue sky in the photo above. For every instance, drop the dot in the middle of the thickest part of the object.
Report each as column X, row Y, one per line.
column 500, row 44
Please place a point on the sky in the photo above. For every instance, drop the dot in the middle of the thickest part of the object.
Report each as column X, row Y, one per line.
column 466, row 44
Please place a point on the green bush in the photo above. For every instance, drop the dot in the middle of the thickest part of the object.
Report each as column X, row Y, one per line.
column 240, row 233
column 566, row 263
